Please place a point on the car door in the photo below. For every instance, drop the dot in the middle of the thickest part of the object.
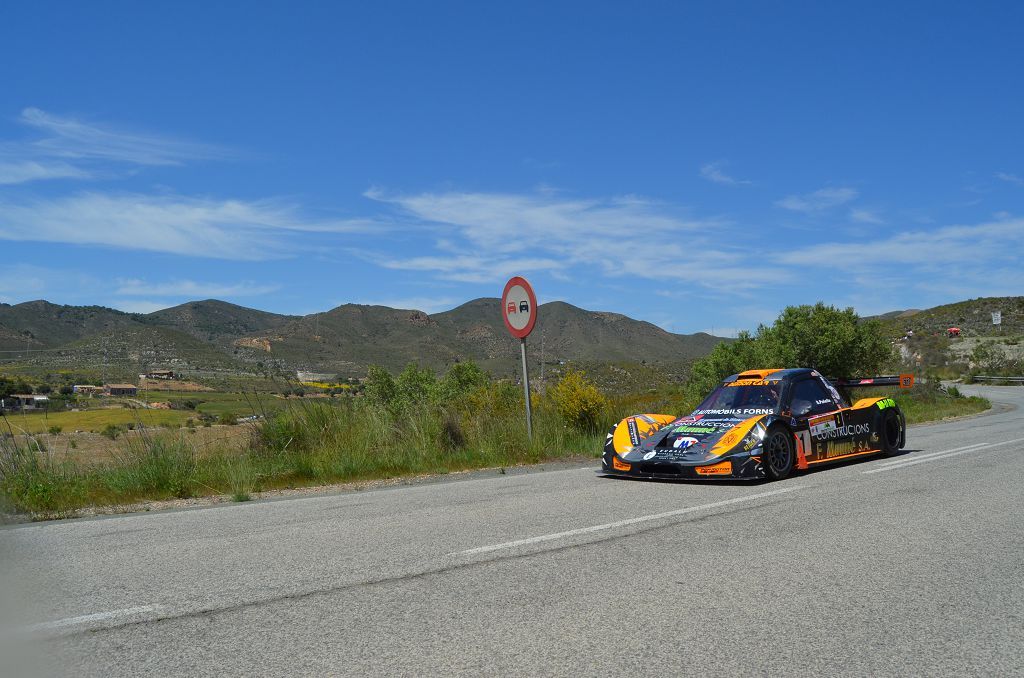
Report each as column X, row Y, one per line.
column 816, row 416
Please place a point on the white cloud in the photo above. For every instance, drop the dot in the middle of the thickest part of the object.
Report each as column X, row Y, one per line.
column 819, row 200
column 865, row 216
column 199, row 227
column 972, row 247
column 949, row 263
column 1010, row 178
column 713, row 171
column 69, row 148
column 500, row 233
column 22, row 171
column 191, row 289
column 71, row 138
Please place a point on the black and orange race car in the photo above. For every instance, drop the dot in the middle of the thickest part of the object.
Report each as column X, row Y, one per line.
column 759, row 424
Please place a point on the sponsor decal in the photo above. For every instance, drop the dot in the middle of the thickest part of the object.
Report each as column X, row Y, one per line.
column 634, row 434
column 748, row 382
column 621, row 465
column 823, row 401
column 886, row 403
column 847, row 447
column 820, row 426
column 688, row 428
column 650, row 455
column 747, row 412
column 844, row 431
column 722, row 469
column 683, row 443
column 689, row 419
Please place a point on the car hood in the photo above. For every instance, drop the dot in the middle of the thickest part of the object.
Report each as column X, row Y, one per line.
column 694, row 438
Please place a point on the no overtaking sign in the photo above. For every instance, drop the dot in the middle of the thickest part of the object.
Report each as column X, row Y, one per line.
column 519, row 310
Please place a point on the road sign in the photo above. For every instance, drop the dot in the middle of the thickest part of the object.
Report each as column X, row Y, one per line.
column 906, row 381
column 997, row 317
column 519, row 309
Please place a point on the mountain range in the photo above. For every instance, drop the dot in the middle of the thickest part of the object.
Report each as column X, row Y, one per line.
column 216, row 335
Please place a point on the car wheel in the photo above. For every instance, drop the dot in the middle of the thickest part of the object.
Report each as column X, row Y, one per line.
column 778, row 457
column 891, row 432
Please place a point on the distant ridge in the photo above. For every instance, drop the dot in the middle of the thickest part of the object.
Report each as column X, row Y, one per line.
column 218, row 335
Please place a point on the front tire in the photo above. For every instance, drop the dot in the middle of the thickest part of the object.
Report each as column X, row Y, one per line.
column 778, row 457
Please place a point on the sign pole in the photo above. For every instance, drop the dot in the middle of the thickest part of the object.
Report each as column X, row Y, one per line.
column 526, row 391
column 519, row 311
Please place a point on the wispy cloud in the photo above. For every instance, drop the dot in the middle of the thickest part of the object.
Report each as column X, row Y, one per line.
column 191, row 289
column 818, row 201
column 714, row 171
column 69, row 148
column 198, row 227
column 23, row 171
column 1010, row 178
column 483, row 237
column 865, row 216
column 68, row 137
column 960, row 261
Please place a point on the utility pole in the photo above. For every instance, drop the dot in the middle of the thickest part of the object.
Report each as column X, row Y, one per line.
column 542, row 360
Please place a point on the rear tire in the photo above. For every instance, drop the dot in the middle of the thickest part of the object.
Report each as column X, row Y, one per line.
column 778, row 456
column 890, row 432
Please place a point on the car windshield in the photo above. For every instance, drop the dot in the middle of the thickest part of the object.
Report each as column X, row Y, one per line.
column 748, row 399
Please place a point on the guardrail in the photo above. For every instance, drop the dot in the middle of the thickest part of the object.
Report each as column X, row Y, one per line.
column 1016, row 380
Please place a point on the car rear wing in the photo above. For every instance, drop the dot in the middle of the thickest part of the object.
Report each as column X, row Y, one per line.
column 901, row 380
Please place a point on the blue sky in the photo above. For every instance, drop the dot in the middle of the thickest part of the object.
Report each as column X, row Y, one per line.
column 696, row 165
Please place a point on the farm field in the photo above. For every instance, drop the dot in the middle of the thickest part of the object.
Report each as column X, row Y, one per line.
column 96, row 420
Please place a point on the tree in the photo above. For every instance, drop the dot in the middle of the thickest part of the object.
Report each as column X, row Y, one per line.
column 836, row 343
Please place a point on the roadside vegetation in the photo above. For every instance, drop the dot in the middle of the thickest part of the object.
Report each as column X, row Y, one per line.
column 419, row 423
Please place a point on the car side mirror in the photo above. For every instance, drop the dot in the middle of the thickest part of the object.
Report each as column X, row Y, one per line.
column 801, row 409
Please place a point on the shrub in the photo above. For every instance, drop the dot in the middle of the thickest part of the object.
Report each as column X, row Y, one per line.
column 578, row 401
column 54, row 430
column 111, row 431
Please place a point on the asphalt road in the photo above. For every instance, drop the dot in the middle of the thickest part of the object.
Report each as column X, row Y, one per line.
column 905, row 566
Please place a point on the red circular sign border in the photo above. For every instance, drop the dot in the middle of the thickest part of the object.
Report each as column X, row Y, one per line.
column 524, row 283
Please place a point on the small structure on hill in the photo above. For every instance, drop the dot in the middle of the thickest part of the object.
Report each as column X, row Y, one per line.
column 953, row 332
column 121, row 390
column 159, row 374
column 87, row 389
column 24, row 401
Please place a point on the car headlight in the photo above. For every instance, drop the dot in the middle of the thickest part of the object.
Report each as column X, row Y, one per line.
column 754, row 438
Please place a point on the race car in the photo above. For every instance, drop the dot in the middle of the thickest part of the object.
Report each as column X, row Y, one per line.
column 759, row 424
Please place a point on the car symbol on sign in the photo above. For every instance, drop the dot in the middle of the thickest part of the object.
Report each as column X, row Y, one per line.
column 511, row 307
column 524, row 307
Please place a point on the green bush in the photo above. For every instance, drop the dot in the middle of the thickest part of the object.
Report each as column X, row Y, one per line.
column 54, row 430
column 578, row 402
column 836, row 343
column 111, row 431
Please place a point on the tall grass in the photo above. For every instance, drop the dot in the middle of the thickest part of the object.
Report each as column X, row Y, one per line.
column 412, row 425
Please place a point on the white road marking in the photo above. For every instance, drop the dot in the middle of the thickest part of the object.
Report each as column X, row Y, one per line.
column 936, row 456
column 904, row 459
column 86, row 618
column 628, row 521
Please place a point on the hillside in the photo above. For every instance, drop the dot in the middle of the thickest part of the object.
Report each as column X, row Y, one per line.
column 973, row 317
column 40, row 324
column 215, row 335
column 216, row 321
